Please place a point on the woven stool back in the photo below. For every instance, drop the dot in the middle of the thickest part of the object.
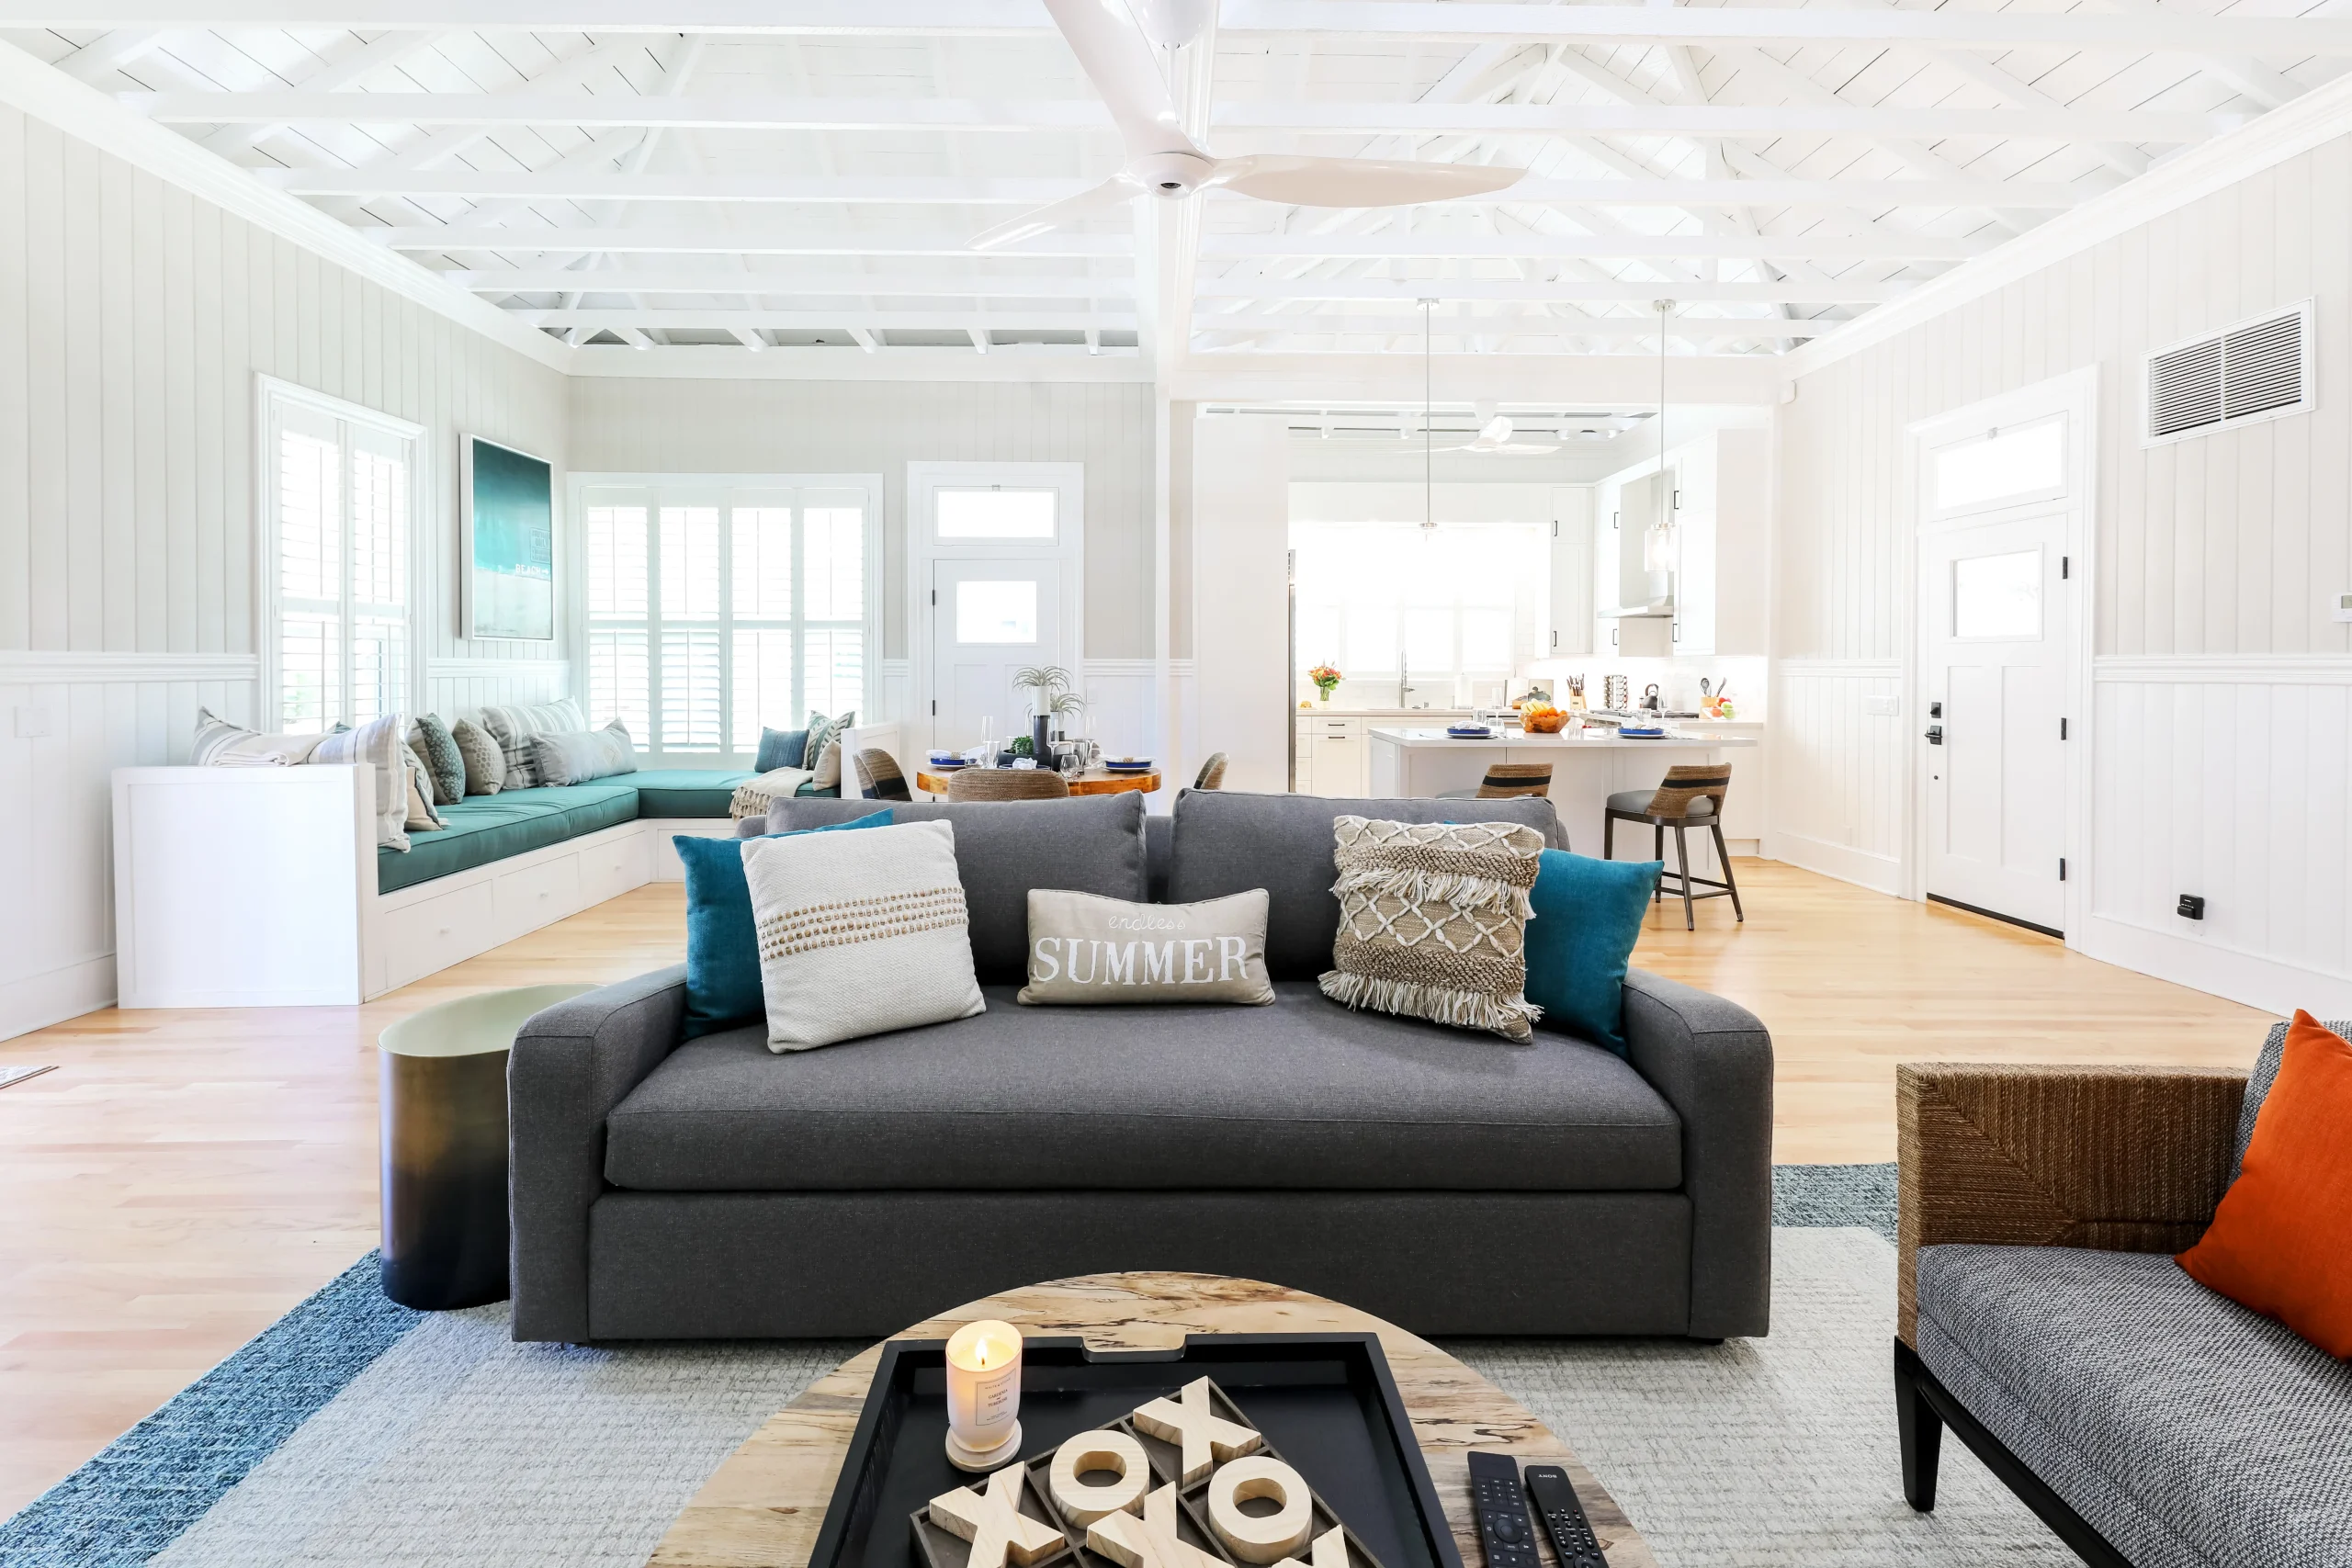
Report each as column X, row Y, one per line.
column 1212, row 774
column 1688, row 782
column 1506, row 780
column 881, row 771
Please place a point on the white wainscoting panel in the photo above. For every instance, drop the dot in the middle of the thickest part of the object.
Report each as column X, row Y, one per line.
column 1121, row 703
column 455, row 686
column 2226, row 777
column 1835, row 770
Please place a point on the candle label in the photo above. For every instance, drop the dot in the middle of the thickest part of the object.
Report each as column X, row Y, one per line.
column 996, row 1400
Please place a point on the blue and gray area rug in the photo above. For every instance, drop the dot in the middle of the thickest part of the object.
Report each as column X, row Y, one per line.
column 355, row 1432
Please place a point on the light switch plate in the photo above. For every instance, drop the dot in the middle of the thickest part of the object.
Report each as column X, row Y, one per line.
column 1882, row 707
column 32, row 721
column 2343, row 606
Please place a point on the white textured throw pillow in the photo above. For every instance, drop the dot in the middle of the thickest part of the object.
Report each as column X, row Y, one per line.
column 860, row 933
column 221, row 744
column 516, row 727
column 381, row 744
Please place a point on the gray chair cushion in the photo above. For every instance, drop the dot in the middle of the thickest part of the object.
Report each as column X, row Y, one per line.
column 2190, row 1432
column 1638, row 801
column 1004, row 848
column 1227, row 842
column 2257, row 1087
column 1301, row 1094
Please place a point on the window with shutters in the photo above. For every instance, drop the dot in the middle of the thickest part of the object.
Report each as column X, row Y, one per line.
column 2257, row 369
column 715, row 609
column 336, row 576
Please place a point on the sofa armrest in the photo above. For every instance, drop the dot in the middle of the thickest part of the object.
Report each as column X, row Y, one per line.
column 2124, row 1160
column 1712, row 1059
column 571, row 1065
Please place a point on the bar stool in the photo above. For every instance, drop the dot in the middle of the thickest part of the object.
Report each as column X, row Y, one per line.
column 1692, row 795
column 1507, row 780
column 883, row 779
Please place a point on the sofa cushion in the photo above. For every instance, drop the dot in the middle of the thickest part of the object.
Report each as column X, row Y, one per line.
column 684, row 792
column 1005, row 848
column 2186, row 1429
column 1228, row 842
column 1298, row 1095
column 486, row 828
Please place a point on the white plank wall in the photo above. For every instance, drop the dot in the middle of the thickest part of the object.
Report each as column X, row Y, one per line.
column 133, row 319
column 867, row 428
column 1835, row 771
column 2210, row 552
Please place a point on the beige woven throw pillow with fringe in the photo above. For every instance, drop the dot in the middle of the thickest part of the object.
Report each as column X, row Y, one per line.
column 1433, row 921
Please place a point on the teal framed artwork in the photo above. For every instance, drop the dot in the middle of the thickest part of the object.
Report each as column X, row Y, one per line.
column 509, row 505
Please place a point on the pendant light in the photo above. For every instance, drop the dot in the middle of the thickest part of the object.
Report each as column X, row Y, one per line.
column 1659, row 543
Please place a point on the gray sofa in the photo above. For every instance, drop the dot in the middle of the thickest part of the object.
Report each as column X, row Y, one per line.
column 1448, row 1182
column 2150, row 1422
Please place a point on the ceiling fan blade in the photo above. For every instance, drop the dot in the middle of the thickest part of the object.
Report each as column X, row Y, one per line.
column 1117, row 58
column 1054, row 214
column 1357, row 182
column 1173, row 22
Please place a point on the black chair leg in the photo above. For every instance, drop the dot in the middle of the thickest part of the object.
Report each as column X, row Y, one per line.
column 1731, row 882
column 1608, row 835
column 1657, row 852
column 1682, row 859
column 1920, row 1430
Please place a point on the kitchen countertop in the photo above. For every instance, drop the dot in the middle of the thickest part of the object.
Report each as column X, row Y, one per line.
column 1598, row 738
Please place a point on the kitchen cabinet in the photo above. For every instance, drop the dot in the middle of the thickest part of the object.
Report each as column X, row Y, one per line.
column 1696, row 490
column 1572, row 571
column 1331, row 756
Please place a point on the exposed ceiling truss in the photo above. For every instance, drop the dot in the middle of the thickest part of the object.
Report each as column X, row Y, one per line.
column 804, row 174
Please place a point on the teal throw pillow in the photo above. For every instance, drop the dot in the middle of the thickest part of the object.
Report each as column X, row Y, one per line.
column 1588, row 915
column 722, row 944
column 780, row 749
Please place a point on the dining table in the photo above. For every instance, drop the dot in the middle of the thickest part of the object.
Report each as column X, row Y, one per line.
column 1096, row 780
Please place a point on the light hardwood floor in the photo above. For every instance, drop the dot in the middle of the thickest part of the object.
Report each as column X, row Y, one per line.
column 184, row 1178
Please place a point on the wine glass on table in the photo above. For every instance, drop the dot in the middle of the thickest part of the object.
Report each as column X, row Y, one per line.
column 987, row 758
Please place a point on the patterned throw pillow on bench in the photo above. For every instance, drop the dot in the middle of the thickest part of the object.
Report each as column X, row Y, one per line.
column 582, row 755
column 516, row 727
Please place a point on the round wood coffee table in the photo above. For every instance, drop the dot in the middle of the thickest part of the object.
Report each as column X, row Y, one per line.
column 764, row 1508
column 1098, row 781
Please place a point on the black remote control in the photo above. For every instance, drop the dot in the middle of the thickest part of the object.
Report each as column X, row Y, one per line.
column 1503, row 1525
column 1563, row 1520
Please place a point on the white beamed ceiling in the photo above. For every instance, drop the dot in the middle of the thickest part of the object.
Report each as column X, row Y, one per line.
column 801, row 175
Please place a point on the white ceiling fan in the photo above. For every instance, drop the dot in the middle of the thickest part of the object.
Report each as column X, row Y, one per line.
column 1116, row 55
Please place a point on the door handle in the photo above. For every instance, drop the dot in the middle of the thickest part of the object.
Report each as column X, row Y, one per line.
column 1935, row 735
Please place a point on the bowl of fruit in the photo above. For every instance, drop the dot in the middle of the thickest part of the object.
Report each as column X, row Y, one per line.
column 1542, row 718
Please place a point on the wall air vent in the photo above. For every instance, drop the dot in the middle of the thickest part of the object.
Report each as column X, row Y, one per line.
column 2255, row 369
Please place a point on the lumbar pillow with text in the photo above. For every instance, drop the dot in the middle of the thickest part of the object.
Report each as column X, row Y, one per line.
column 516, row 727
column 1433, row 921
column 722, row 940
column 219, row 744
column 860, row 933
column 1086, row 948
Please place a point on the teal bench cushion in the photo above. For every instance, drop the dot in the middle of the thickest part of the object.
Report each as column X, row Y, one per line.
column 684, row 792
column 486, row 828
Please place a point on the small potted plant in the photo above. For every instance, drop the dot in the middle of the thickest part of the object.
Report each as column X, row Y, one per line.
column 1326, row 678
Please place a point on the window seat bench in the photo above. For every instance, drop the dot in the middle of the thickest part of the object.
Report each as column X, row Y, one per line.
column 266, row 887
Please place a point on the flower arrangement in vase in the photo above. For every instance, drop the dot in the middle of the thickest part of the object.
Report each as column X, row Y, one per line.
column 1327, row 679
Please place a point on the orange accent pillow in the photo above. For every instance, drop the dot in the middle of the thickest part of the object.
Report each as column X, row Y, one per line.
column 2281, row 1240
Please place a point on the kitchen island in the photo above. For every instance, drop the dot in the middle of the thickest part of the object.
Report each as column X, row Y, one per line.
column 1587, row 768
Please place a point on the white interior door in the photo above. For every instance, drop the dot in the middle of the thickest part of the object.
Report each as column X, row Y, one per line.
column 991, row 616
column 1998, row 620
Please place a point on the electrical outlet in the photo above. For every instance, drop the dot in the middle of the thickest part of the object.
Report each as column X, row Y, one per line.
column 2192, row 906
column 32, row 721
column 1881, row 708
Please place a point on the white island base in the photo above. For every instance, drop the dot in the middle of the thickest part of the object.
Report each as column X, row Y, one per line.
column 1586, row 769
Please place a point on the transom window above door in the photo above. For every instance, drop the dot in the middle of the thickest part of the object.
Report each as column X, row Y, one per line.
column 996, row 513
column 714, row 609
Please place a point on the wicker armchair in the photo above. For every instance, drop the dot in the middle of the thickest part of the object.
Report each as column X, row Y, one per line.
column 2117, row 1160
column 1006, row 784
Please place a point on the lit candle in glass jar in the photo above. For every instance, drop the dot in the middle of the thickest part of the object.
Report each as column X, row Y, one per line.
column 983, row 1394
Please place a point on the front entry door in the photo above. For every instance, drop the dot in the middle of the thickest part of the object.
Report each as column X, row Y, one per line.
column 990, row 618
column 1998, row 617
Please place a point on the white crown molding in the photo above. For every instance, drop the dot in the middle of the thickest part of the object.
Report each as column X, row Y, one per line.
column 726, row 363
column 557, row 670
column 2294, row 128
column 2223, row 669
column 82, row 111
column 48, row 668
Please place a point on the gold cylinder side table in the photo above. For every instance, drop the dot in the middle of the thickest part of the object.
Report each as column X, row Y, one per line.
column 443, row 1118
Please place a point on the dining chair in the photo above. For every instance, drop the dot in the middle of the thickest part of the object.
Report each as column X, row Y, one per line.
column 1690, row 795
column 883, row 779
column 1507, row 780
column 1212, row 774
column 1006, row 784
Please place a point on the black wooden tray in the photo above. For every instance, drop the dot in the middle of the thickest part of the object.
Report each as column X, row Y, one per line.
column 1325, row 1402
